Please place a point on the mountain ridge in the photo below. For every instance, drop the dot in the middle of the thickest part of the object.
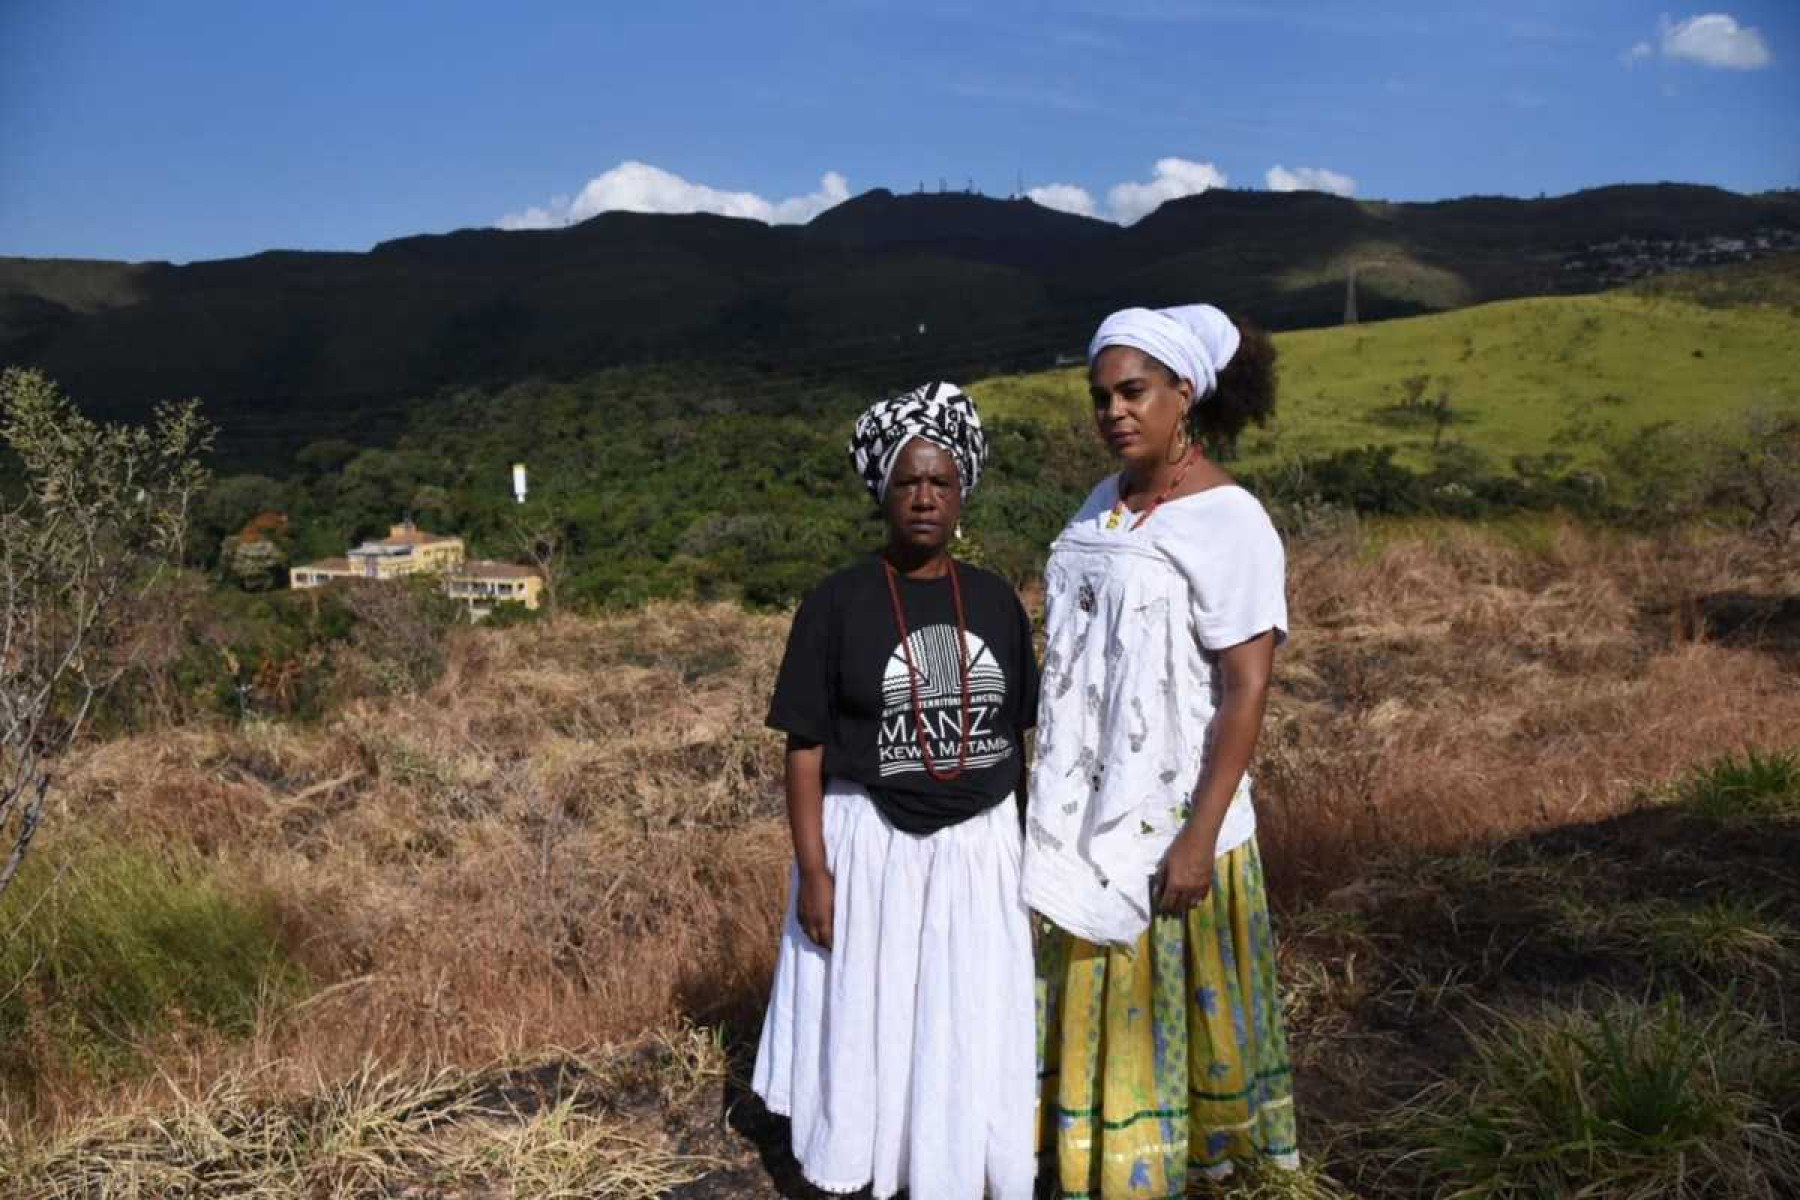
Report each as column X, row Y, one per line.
column 873, row 289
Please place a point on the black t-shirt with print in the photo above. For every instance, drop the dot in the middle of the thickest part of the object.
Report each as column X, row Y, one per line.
column 843, row 685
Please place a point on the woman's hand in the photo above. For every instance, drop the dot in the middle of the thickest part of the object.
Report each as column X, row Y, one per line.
column 818, row 894
column 1186, row 874
column 1185, row 877
column 805, row 777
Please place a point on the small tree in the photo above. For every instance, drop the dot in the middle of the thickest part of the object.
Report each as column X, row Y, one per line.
column 540, row 532
column 95, row 512
column 255, row 565
column 1412, row 391
column 1441, row 415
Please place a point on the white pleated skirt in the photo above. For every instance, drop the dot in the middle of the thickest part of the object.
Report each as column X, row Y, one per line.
column 906, row 1056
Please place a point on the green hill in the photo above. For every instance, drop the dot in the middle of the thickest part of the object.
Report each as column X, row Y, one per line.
column 1522, row 377
column 874, row 295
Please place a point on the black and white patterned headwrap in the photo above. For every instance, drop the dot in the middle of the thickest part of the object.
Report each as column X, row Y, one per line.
column 938, row 412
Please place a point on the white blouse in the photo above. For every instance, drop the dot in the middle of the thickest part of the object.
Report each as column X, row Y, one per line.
column 1130, row 686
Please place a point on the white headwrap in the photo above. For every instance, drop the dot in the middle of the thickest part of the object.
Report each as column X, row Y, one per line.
column 1195, row 340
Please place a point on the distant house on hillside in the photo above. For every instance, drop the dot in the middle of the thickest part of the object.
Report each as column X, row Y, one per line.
column 320, row 573
column 478, row 584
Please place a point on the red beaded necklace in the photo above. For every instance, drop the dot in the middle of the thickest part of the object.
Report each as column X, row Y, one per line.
column 912, row 675
column 1118, row 508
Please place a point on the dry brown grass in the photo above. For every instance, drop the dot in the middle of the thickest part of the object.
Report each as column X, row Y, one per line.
column 575, row 834
column 1454, row 685
column 560, row 1127
column 571, row 838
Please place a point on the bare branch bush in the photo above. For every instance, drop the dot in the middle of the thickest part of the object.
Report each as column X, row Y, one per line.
column 540, row 532
column 398, row 643
column 94, row 515
column 1758, row 473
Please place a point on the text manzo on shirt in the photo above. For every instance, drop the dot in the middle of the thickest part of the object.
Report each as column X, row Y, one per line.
column 844, row 685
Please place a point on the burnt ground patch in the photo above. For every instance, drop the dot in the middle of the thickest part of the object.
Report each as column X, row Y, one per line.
column 1767, row 621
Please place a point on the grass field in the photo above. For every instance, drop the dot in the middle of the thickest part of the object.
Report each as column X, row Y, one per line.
column 1523, row 377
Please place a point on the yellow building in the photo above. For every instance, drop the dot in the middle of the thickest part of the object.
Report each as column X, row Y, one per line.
column 477, row 584
column 406, row 550
column 318, row 574
column 480, row 584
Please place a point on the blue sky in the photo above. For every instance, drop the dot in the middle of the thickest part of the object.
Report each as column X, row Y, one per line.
column 198, row 130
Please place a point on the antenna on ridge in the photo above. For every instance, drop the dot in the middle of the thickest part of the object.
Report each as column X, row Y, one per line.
column 1350, row 315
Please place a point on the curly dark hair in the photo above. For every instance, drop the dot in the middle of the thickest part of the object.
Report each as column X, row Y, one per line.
column 1245, row 394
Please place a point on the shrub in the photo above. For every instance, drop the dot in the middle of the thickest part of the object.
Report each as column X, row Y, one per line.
column 98, row 512
column 1366, row 480
column 397, row 639
column 1756, row 472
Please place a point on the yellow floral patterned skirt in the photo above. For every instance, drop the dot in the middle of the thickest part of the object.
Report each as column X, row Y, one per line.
column 1166, row 1060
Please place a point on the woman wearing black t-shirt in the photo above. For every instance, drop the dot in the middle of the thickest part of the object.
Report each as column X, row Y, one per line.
column 899, row 1037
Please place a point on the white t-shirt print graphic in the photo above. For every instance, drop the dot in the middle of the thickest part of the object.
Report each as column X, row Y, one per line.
column 938, row 669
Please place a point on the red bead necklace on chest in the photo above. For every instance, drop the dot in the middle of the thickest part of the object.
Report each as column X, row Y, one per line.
column 912, row 674
column 1118, row 509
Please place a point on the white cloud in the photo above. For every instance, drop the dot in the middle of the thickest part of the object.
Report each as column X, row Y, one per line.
column 1173, row 179
column 640, row 187
column 1638, row 54
column 1064, row 197
column 1715, row 40
column 834, row 189
column 550, row 216
column 1309, row 179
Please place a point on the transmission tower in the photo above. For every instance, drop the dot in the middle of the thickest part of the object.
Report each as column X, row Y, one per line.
column 1350, row 271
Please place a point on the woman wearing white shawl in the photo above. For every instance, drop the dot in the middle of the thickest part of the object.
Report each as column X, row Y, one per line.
column 1164, row 1056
